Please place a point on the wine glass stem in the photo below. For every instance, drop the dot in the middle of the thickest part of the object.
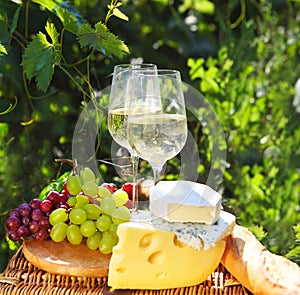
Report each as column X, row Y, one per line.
column 135, row 199
column 156, row 173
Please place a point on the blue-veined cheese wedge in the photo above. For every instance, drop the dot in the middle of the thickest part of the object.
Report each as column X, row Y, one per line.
column 185, row 201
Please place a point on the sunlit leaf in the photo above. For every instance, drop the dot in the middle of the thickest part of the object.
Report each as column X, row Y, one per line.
column 69, row 20
column 258, row 231
column 40, row 57
column 102, row 40
column 2, row 50
column 48, row 4
column 119, row 14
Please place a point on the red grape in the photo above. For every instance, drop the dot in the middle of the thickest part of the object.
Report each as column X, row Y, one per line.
column 25, row 220
column 14, row 236
column 41, row 234
column 112, row 187
column 25, row 210
column 44, row 222
column 23, row 231
column 35, row 204
column 128, row 188
column 128, row 204
column 62, row 198
column 65, row 189
column 12, row 223
column 33, row 226
column 37, row 214
column 53, row 196
column 46, row 205
column 15, row 212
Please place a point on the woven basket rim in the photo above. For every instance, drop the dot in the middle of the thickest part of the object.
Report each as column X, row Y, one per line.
column 20, row 274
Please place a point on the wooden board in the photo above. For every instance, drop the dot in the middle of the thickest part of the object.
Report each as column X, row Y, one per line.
column 66, row 259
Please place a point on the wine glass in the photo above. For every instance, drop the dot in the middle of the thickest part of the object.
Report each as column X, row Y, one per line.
column 118, row 113
column 157, row 124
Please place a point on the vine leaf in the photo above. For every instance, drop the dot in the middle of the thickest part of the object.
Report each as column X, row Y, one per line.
column 41, row 56
column 117, row 12
column 2, row 50
column 102, row 40
column 68, row 18
column 67, row 13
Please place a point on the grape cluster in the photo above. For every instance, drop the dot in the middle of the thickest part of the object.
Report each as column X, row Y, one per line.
column 32, row 219
column 82, row 212
column 96, row 224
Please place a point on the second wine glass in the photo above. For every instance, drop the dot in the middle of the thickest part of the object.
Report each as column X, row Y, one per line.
column 120, row 96
column 157, row 124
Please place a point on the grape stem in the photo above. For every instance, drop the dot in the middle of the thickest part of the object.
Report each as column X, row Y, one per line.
column 72, row 163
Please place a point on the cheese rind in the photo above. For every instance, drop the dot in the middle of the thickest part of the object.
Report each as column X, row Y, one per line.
column 149, row 258
column 185, row 201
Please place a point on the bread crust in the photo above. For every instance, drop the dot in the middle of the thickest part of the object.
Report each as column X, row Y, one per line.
column 256, row 268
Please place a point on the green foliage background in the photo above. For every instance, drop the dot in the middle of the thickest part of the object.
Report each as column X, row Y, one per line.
column 242, row 55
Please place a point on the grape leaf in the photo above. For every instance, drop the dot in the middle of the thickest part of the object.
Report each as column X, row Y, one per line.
column 41, row 56
column 117, row 12
column 67, row 13
column 69, row 19
column 2, row 50
column 48, row 4
column 101, row 39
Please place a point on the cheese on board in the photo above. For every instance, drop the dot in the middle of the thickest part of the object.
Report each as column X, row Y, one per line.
column 149, row 258
column 185, row 201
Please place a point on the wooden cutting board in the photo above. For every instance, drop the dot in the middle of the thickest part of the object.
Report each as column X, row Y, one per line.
column 66, row 259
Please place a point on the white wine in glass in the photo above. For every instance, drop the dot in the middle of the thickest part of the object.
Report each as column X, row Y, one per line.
column 157, row 124
column 120, row 96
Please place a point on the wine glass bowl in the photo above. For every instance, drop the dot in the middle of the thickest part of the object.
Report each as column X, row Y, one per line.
column 157, row 124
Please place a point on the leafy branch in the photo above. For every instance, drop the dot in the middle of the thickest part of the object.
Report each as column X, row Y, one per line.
column 44, row 52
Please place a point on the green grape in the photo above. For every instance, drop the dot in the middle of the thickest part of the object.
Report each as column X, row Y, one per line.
column 81, row 200
column 74, row 184
column 103, row 192
column 72, row 201
column 88, row 228
column 120, row 215
column 77, row 216
column 103, row 222
column 59, row 232
column 87, row 174
column 90, row 188
column 93, row 211
column 108, row 205
column 113, row 229
column 120, row 197
column 126, row 209
column 107, row 243
column 93, row 241
column 58, row 215
column 74, row 235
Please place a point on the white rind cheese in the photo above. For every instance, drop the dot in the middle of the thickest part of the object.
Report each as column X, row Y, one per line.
column 185, row 201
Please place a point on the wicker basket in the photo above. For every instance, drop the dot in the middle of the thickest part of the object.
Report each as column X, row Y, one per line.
column 22, row 278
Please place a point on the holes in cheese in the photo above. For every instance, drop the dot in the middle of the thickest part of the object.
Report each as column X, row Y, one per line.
column 162, row 263
column 178, row 243
column 156, row 258
column 121, row 270
column 146, row 241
